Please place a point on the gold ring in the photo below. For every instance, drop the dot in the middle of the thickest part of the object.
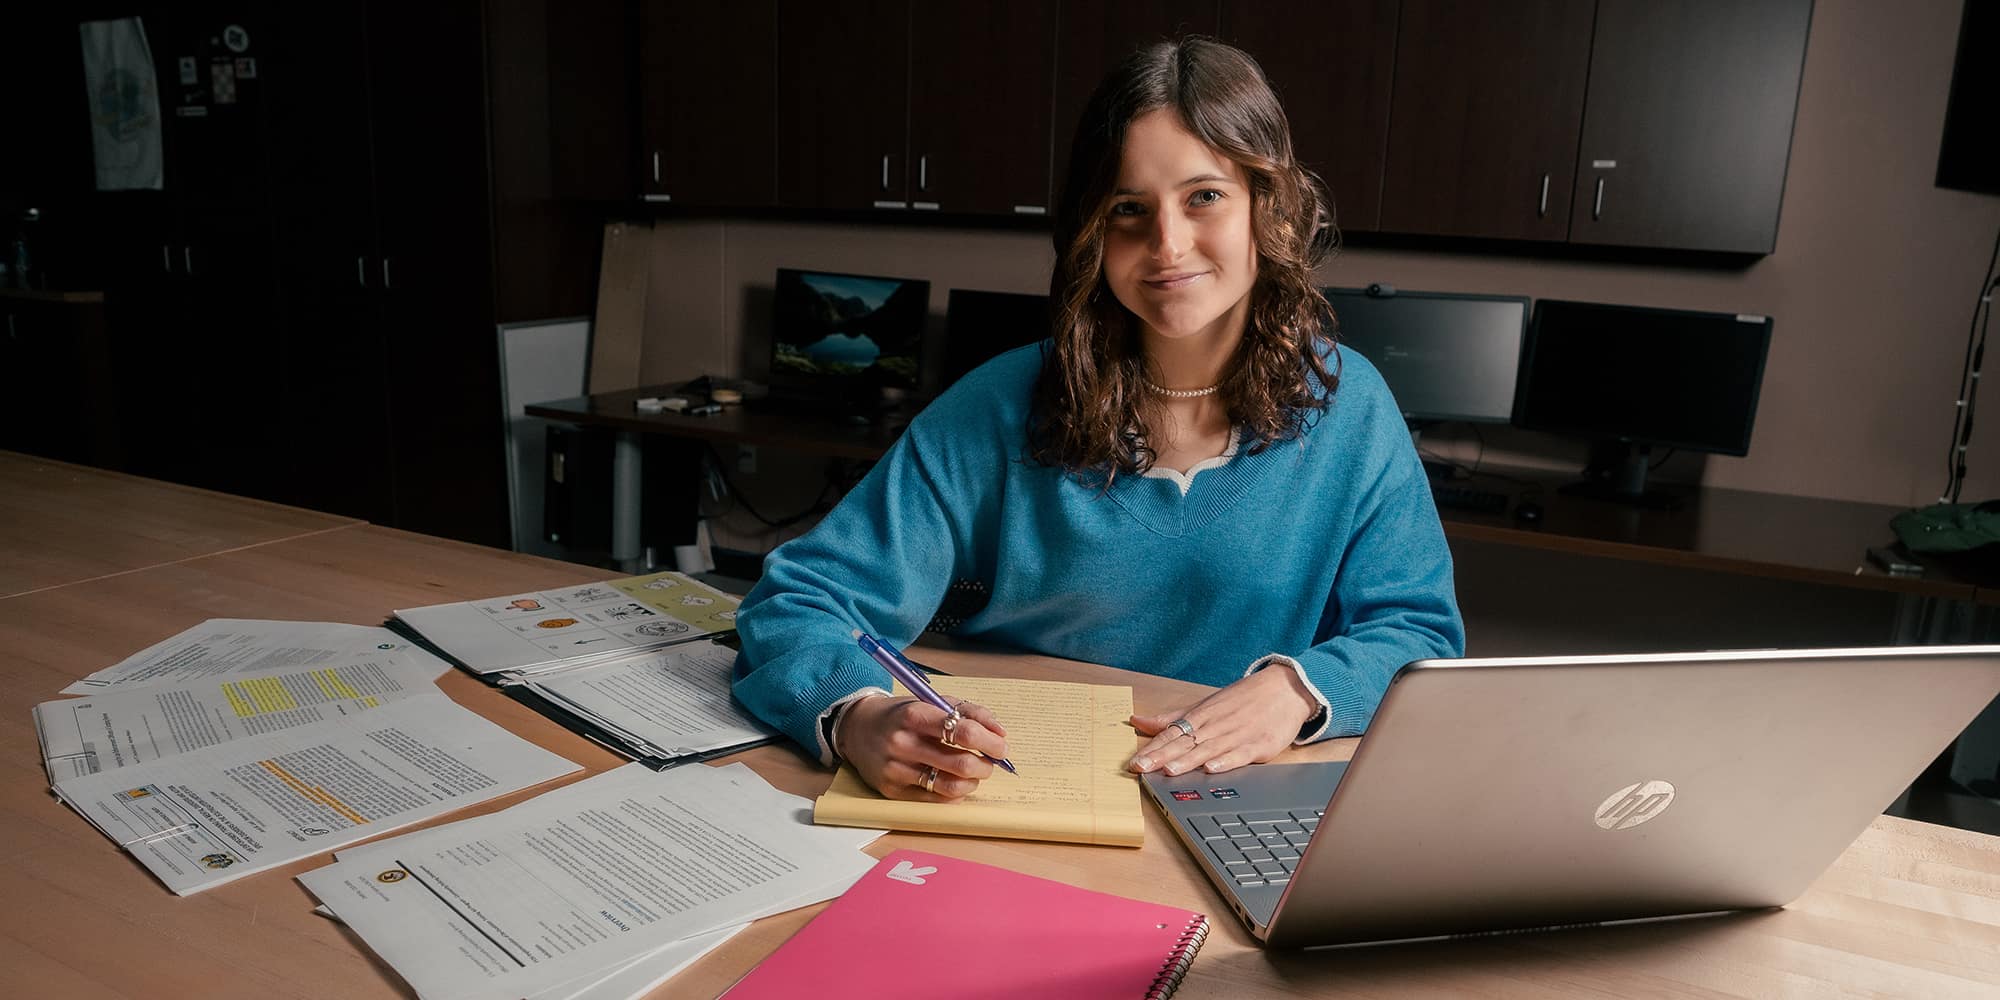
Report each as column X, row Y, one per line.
column 929, row 784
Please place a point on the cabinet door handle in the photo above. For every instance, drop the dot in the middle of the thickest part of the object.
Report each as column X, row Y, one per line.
column 1542, row 211
column 166, row 258
column 12, row 333
column 386, row 283
column 1597, row 207
column 656, row 166
column 924, row 172
column 187, row 260
column 361, row 271
column 885, row 171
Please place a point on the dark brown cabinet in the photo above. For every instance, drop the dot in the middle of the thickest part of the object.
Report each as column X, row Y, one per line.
column 843, row 104
column 189, row 270
column 1332, row 65
column 304, row 312
column 893, row 106
column 56, row 392
column 1688, row 125
column 707, row 75
column 1487, row 107
column 981, row 94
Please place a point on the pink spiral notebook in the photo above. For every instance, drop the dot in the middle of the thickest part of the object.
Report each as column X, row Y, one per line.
column 926, row 925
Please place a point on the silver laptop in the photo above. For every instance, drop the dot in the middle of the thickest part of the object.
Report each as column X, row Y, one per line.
column 1502, row 794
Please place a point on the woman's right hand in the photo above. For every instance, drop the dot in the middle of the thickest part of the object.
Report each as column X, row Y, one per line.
column 894, row 742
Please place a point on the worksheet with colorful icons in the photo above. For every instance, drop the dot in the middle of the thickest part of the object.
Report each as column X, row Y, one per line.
column 528, row 632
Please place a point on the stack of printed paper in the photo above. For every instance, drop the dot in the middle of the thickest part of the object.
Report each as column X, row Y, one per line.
column 661, row 709
column 238, row 745
column 603, row 888
column 629, row 664
column 522, row 634
column 224, row 679
column 203, row 817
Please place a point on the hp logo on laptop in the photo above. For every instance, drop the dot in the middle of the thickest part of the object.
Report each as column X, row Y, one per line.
column 1635, row 804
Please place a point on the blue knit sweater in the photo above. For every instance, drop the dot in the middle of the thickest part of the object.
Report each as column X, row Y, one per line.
column 1325, row 549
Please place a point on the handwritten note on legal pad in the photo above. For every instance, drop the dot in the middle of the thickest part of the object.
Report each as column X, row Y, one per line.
column 1071, row 742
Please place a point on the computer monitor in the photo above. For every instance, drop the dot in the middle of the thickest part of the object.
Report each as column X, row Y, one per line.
column 846, row 336
column 1631, row 379
column 982, row 325
column 1445, row 356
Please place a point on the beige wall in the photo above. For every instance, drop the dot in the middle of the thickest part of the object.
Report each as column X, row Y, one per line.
column 1871, row 285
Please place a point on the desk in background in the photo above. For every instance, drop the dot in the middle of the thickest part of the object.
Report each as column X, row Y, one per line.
column 829, row 437
column 1908, row 909
column 1804, row 539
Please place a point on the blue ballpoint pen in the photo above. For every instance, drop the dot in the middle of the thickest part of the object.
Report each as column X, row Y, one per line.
column 912, row 678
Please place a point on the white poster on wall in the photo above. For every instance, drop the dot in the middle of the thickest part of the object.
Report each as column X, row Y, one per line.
column 124, row 104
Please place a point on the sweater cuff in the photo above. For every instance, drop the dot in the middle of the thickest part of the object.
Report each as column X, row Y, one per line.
column 829, row 720
column 1315, row 727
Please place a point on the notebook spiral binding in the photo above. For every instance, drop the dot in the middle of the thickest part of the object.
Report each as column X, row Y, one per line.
column 1178, row 960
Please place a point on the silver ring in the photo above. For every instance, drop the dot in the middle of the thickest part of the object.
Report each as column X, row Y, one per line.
column 930, row 780
column 1186, row 728
column 950, row 731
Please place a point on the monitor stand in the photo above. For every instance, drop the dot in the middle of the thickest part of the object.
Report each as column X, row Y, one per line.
column 1617, row 474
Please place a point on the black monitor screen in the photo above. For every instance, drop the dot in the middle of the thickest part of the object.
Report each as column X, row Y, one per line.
column 1445, row 357
column 1651, row 376
column 830, row 330
column 980, row 325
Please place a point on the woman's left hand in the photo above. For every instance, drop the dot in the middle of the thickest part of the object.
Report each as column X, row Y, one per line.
column 1248, row 722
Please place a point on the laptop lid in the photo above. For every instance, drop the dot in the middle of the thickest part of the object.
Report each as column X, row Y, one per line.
column 1494, row 794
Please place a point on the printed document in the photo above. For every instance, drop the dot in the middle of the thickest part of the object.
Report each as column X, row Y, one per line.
column 204, row 817
column 125, row 726
column 585, row 878
column 228, row 647
column 666, row 704
column 524, row 633
column 636, row 978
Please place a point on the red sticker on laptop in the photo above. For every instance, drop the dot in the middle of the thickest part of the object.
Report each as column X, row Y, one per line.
column 1185, row 795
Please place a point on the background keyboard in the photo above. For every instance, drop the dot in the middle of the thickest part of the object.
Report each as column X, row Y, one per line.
column 1468, row 498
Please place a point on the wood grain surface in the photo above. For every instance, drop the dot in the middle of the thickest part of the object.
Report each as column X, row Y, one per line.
column 1910, row 909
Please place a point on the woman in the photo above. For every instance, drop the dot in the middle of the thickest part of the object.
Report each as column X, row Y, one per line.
column 1187, row 480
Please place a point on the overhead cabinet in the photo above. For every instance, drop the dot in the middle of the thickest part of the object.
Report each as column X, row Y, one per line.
column 303, row 312
column 707, row 77
column 981, row 97
column 1332, row 65
column 1688, row 125
column 891, row 107
column 1636, row 123
column 1483, row 124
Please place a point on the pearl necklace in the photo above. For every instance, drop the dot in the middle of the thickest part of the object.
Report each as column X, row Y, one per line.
column 1182, row 393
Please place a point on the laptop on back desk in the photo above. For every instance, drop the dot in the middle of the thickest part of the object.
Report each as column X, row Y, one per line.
column 1506, row 794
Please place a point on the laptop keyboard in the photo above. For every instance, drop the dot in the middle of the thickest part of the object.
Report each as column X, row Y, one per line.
column 1256, row 848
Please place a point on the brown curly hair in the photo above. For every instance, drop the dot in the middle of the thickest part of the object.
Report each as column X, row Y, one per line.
column 1091, row 408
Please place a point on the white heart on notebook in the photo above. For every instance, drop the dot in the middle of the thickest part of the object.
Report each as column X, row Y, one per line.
column 907, row 872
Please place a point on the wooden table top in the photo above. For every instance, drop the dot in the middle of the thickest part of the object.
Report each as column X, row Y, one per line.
column 62, row 523
column 1909, row 909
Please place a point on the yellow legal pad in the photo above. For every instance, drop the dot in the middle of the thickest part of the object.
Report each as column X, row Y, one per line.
column 1070, row 742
